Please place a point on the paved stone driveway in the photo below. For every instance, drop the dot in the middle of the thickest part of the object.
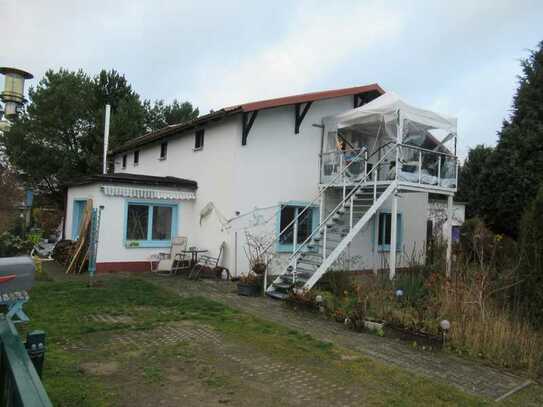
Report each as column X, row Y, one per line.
column 469, row 376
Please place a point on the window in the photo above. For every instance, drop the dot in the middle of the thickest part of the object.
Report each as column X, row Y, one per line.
column 305, row 224
column 136, row 157
column 164, row 150
column 124, row 161
column 150, row 225
column 199, row 139
column 384, row 232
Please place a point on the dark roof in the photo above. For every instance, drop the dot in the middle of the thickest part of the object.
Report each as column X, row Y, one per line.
column 126, row 178
column 242, row 108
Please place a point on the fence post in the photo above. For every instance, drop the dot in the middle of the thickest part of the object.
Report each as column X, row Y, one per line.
column 35, row 347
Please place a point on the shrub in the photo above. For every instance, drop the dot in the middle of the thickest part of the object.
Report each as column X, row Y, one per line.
column 340, row 283
column 303, row 298
column 11, row 245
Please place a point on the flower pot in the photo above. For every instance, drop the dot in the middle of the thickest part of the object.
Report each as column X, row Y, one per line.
column 248, row 290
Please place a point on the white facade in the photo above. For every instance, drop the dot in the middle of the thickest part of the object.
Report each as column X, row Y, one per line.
column 246, row 185
column 112, row 247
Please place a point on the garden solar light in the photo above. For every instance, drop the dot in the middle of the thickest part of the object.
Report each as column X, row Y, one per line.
column 445, row 325
column 399, row 293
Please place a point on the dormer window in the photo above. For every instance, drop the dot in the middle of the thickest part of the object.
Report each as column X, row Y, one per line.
column 199, row 140
column 164, row 150
column 124, row 160
column 136, row 157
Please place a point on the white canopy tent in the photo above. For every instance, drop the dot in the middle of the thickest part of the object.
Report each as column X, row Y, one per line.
column 386, row 108
column 427, row 154
column 379, row 118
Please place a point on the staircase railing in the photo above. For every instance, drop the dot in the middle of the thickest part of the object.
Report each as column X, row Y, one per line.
column 294, row 222
column 349, row 196
column 315, row 199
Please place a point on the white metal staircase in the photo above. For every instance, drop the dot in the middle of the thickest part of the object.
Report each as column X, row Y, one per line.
column 312, row 258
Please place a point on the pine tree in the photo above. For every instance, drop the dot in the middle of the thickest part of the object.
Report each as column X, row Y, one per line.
column 501, row 182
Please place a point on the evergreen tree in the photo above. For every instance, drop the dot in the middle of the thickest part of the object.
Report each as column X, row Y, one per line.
column 159, row 114
column 59, row 136
column 471, row 179
column 501, row 182
column 518, row 159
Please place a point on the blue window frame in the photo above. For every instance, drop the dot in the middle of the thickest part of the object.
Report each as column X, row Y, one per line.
column 149, row 224
column 384, row 232
column 306, row 224
column 77, row 216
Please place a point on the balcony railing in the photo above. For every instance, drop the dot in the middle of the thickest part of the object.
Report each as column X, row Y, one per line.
column 333, row 163
column 427, row 167
column 413, row 165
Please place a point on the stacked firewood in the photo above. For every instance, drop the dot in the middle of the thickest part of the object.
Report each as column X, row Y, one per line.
column 64, row 251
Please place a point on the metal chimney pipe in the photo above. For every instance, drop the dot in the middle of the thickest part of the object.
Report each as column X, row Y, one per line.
column 106, row 137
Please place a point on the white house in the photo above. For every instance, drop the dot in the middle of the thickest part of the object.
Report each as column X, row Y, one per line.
column 319, row 175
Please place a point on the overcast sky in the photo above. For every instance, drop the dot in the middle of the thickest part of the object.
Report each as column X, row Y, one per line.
column 456, row 57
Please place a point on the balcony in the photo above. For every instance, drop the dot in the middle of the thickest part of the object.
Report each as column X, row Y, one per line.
column 412, row 166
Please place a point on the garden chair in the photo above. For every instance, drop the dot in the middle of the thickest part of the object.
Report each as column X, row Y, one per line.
column 210, row 265
column 170, row 263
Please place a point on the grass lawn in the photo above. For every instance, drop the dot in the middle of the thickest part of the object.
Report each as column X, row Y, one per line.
column 129, row 342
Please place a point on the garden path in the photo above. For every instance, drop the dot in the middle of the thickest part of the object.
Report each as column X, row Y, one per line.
column 469, row 376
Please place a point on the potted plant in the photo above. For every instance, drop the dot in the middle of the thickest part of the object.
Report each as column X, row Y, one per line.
column 256, row 251
column 249, row 285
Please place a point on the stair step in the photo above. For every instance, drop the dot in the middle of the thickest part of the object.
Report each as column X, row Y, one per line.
column 312, row 255
column 288, row 278
column 277, row 294
column 304, row 260
column 282, row 286
column 306, row 270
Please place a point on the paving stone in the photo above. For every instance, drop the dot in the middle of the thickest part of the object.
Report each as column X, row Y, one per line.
column 467, row 375
column 111, row 319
